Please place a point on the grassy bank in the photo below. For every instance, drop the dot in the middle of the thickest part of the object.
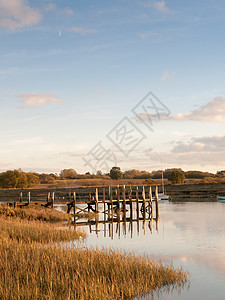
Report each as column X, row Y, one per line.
column 30, row 270
column 41, row 232
column 35, row 213
column 34, row 272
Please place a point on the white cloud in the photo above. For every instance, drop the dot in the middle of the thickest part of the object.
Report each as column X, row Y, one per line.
column 167, row 74
column 205, row 152
column 213, row 111
column 161, row 6
column 202, row 144
column 16, row 14
column 158, row 5
column 32, row 100
column 53, row 7
column 82, row 30
column 147, row 34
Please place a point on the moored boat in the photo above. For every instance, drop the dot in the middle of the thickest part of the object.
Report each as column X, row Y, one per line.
column 220, row 199
column 163, row 197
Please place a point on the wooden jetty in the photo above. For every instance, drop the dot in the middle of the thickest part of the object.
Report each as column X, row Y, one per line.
column 80, row 200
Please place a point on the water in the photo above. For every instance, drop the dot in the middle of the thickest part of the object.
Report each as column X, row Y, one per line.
column 191, row 235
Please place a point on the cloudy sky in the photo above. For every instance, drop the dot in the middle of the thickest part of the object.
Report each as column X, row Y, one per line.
column 91, row 84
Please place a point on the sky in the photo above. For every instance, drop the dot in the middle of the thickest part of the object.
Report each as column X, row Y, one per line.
column 93, row 84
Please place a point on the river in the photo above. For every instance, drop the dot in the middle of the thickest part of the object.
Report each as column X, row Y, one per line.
column 191, row 235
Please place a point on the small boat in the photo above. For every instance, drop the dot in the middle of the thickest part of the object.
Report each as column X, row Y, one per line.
column 220, row 199
column 163, row 197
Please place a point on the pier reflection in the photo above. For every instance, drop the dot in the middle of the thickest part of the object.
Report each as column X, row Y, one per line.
column 119, row 223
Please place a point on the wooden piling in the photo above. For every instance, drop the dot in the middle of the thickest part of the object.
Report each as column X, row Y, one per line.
column 53, row 199
column 74, row 203
column 118, row 197
column 104, row 200
column 124, row 199
column 96, row 200
column 48, row 197
column 143, row 197
column 137, row 209
column 111, row 201
column 28, row 199
column 21, row 196
column 157, row 202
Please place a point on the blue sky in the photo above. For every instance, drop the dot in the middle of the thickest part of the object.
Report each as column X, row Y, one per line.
column 71, row 71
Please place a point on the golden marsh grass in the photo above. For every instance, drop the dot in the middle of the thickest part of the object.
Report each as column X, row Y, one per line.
column 30, row 270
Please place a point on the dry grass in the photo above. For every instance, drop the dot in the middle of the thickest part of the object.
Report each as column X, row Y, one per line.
column 34, row 266
column 35, row 213
column 36, row 272
column 28, row 231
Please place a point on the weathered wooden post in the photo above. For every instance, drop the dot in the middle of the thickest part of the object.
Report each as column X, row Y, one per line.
column 53, row 199
column 104, row 200
column 21, row 196
column 111, row 199
column 74, row 203
column 96, row 200
column 28, row 199
column 137, row 201
column 104, row 212
column 137, row 208
column 143, row 197
column 150, row 198
column 157, row 202
column 118, row 197
column 48, row 197
column 124, row 199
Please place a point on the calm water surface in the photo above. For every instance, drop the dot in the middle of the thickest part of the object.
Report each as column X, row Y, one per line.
column 191, row 235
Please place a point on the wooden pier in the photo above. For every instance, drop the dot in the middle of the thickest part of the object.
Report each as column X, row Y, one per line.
column 95, row 199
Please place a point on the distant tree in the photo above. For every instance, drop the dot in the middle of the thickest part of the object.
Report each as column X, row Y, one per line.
column 220, row 173
column 54, row 176
column 8, row 179
column 136, row 174
column 175, row 175
column 68, row 173
column 116, row 173
column 197, row 174
column 17, row 179
column 32, row 179
column 45, row 178
column 157, row 174
column 99, row 173
column 22, row 181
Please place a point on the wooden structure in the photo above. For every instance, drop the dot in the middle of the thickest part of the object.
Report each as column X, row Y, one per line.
column 95, row 199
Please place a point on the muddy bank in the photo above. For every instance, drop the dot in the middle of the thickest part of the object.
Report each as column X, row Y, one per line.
column 195, row 192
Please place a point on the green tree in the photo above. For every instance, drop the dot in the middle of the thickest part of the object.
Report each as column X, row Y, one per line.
column 32, row 179
column 8, row 179
column 14, row 179
column 175, row 175
column 22, row 181
column 116, row 173
column 68, row 173
column 45, row 178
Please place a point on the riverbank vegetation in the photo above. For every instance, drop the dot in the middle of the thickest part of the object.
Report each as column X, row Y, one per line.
column 35, row 213
column 36, row 265
column 70, row 178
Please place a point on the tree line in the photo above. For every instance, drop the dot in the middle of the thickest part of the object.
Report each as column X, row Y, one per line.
column 21, row 179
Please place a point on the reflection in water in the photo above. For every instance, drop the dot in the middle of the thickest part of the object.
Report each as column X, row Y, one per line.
column 190, row 235
column 120, row 223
